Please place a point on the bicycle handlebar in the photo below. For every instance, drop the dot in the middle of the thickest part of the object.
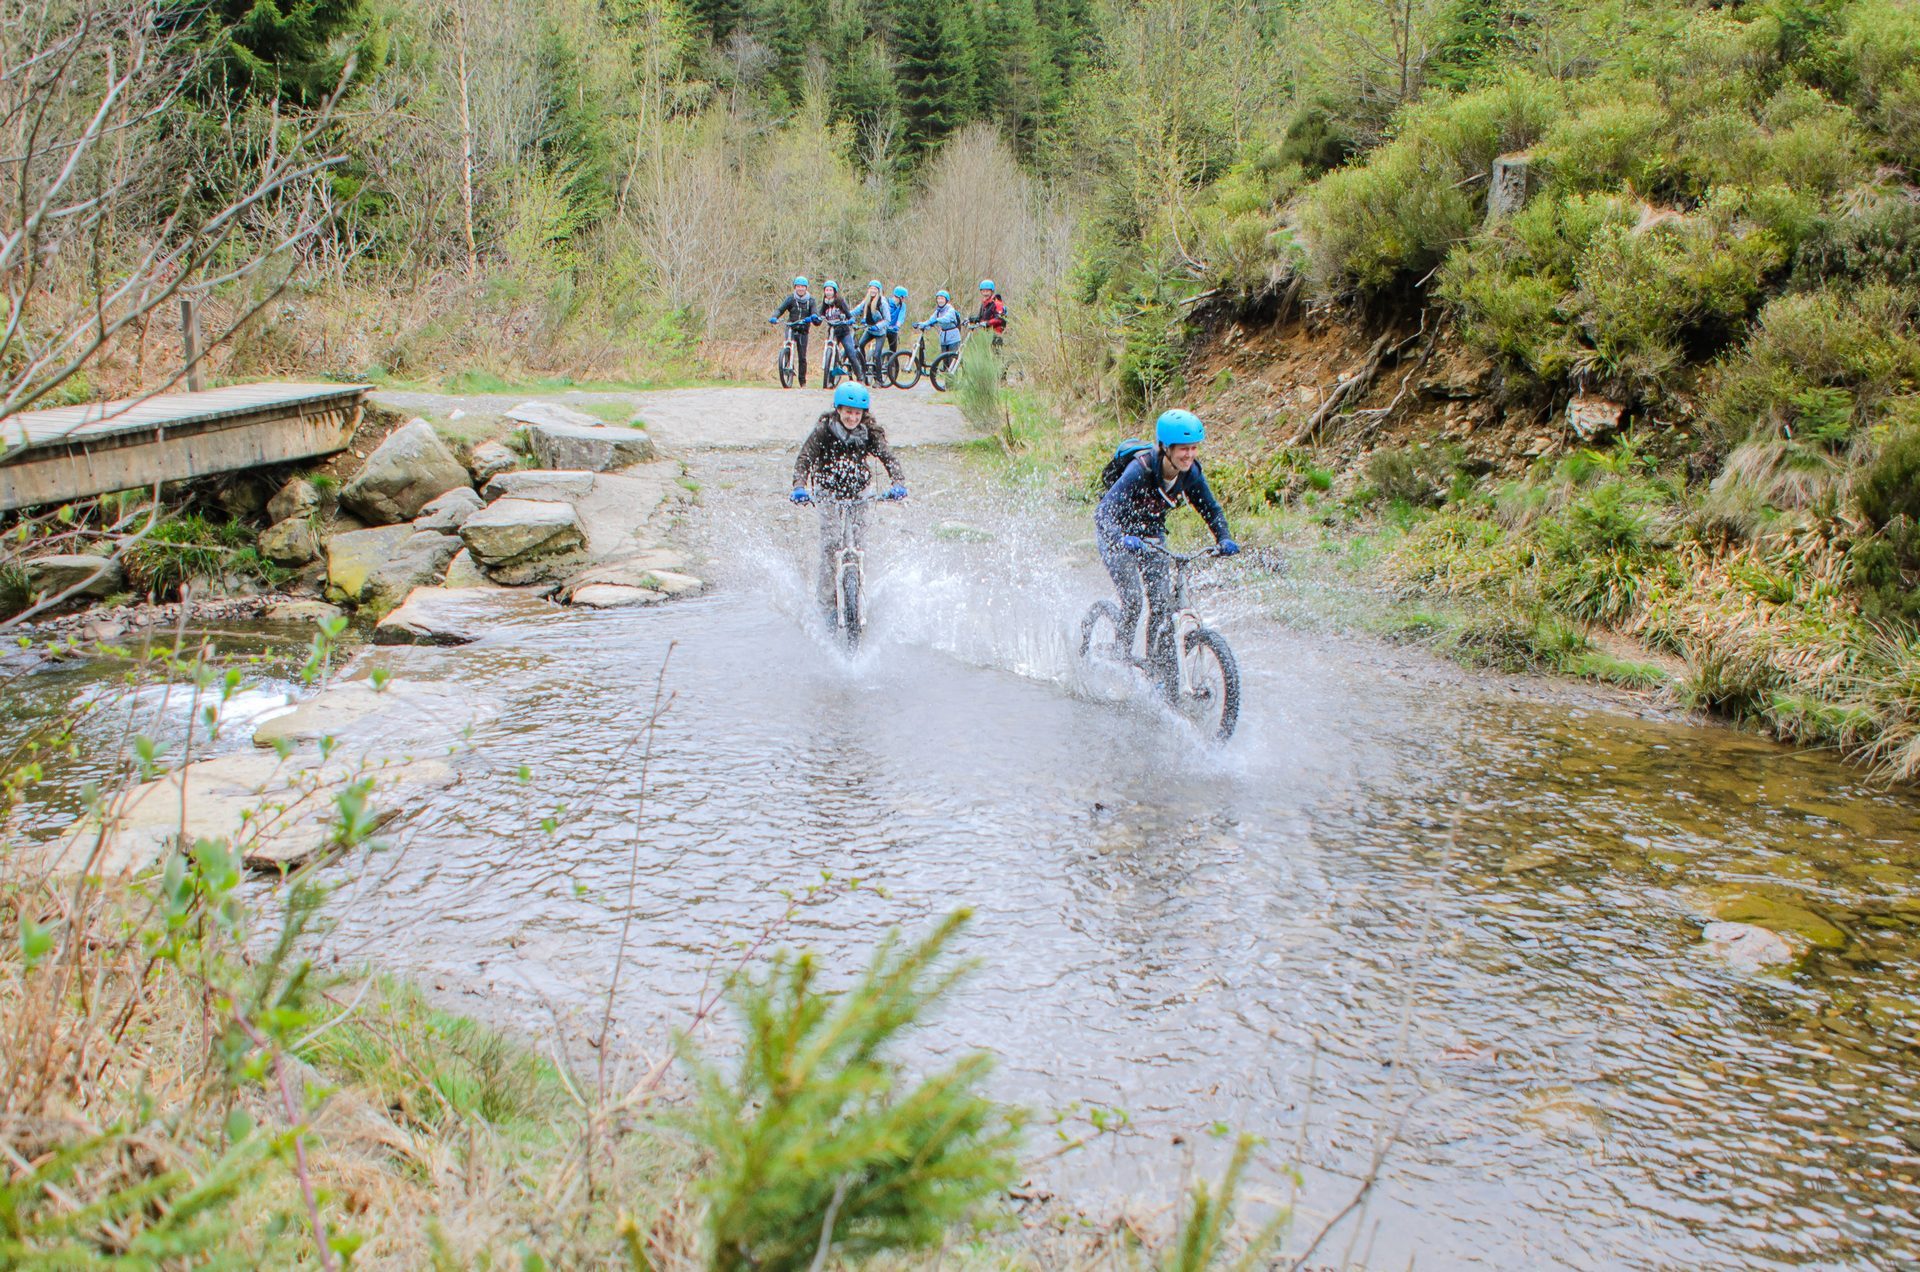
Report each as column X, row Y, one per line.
column 1184, row 558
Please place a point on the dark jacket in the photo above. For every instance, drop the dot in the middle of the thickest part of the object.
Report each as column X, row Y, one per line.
column 801, row 307
column 838, row 316
column 1136, row 504
column 993, row 314
column 834, row 459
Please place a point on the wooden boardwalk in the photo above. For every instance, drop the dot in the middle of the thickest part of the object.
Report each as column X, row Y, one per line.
column 71, row 452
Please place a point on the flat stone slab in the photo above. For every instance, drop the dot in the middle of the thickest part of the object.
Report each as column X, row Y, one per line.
column 405, row 712
column 279, row 813
column 302, row 612
column 551, row 413
column 455, row 615
column 512, row 531
column 562, row 485
column 595, row 447
column 614, row 596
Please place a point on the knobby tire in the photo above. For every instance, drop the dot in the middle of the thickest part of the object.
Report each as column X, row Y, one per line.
column 1211, row 645
column 850, row 606
column 784, row 368
column 943, row 368
column 906, row 369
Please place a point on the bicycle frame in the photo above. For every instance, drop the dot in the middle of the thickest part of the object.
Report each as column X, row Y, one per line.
column 1185, row 617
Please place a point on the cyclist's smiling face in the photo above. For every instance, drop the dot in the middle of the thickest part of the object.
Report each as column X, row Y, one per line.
column 799, row 289
column 849, row 416
column 1182, row 455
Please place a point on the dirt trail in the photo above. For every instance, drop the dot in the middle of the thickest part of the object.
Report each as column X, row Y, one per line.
column 699, row 419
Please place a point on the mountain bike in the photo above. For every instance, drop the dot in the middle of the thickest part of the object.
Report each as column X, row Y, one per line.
column 833, row 362
column 849, row 572
column 910, row 364
column 880, row 361
column 787, row 365
column 1203, row 684
column 947, row 365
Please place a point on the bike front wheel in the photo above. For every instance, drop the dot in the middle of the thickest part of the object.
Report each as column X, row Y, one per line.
column 906, row 369
column 1210, row 689
column 943, row 370
column 850, row 618
column 785, row 366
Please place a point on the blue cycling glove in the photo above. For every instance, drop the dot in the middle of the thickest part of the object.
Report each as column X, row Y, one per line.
column 771, row 321
column 800, row 495
column 1132, row 542
column 1228, row 547
column 898, row 492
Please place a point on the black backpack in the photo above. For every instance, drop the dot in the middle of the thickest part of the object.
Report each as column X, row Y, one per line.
column 1123, row 454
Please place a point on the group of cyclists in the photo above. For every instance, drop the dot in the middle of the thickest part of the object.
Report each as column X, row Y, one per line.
column 865, row 327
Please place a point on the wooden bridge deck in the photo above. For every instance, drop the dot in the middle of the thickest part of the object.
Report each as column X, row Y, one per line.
column 71, row 452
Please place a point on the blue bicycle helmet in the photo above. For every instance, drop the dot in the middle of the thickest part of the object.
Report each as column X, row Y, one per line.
column 900, row 292
column 943, row 294
column 830, row 283
column 875, row 284
column 852, row 394
column 986, row 284
column 800, row 280
column 1178, row 428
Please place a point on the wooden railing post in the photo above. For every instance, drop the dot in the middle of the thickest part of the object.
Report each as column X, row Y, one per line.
column 190, row 339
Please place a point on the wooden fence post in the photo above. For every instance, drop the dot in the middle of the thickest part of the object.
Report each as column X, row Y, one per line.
column 190, row 339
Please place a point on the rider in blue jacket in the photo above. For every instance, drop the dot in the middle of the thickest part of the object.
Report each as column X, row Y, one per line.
column 887, row 329
column 947, row 319
column 1131, row 523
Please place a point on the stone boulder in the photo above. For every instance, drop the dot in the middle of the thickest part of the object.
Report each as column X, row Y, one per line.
column 455, row 615
column 1748, row 947
column 449, row 512
column 82, row 575
column 613, row 596
column 638, row 574
column 519, row 541
column 375, row 569
column 315, row 612
column 297, row 498
column 551, row 413
column 539, row 483
column 463, row 571
column 406, row 472
column 291, row 543
column 592, row 446
column 489, row 459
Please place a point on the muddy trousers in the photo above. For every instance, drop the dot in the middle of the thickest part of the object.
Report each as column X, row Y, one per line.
column 843, row 524
column 1144, row 580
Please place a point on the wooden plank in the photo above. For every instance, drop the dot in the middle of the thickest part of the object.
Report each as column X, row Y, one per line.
column 76, row 467
column 90, row 420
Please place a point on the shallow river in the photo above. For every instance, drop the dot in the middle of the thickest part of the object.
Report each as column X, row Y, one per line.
column 1200, row 935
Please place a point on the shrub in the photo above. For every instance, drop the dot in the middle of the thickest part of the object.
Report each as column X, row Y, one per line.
column 1371, row 227
column 817, row 1121
column 1766, row 477
column 1864, row 343
column 1418, row 475
column 1881, row 45
column 1648, row 296
column 1872, row 237
column 183, row 547
column 1605, row 143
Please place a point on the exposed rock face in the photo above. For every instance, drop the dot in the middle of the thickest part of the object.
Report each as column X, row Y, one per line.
column 405, row 473
column 93, row 576
column 455, row 615
column 489, row 460
column 297, row 498
column 462, row 571
column 539, row 483
column 377, row 568
column 579, row 441
column 524, row 540
column 292, row 542
column 449, row 512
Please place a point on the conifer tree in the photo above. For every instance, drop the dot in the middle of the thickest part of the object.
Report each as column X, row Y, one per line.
column 933, row 83
column 296, row 50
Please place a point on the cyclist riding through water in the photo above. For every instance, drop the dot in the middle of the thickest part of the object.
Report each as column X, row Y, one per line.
column 834, row 466
column 839, row 319
column 798, row 307
column 947, row 319
column 1133, row 514
column 870, row 313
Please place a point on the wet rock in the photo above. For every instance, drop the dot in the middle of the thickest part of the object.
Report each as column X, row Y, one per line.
column 462, row 571
column 1733, row 903
column 489, row 459
column 1747, row 947
column 593, row 446
column 539, row 483
column 405, row 473
column 297, row 498
column 613, row 596
column 455, row 615
column 634, row 574
column 292, row 542
column 545, row 413
column 315, row 612
column 403, row 712
column 87, row 576
column 224, row 799
column 449, row 512
column 523, row 540
column 377, row 568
